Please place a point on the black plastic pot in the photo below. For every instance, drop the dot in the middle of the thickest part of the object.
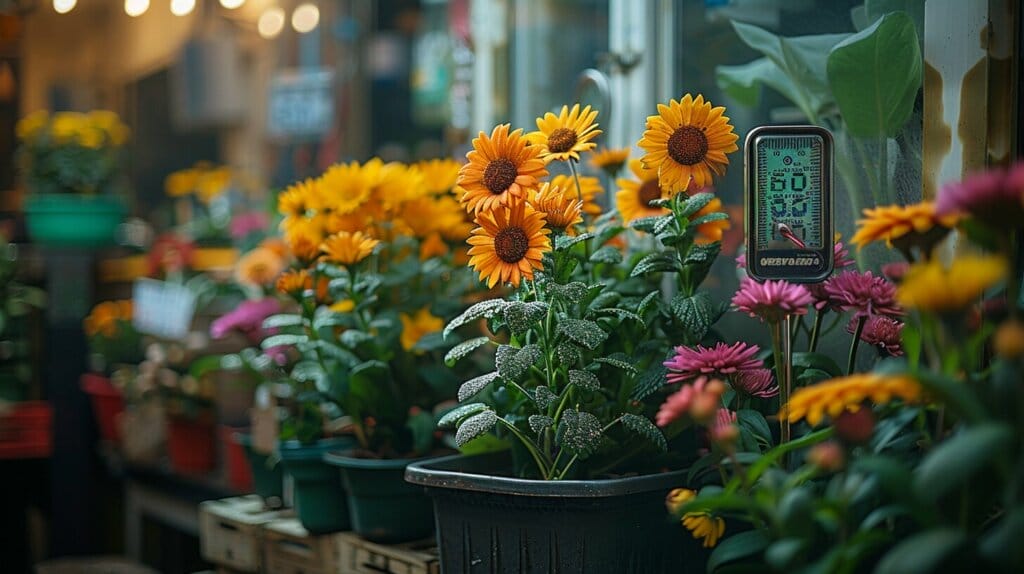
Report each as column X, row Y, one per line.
column 499, row 524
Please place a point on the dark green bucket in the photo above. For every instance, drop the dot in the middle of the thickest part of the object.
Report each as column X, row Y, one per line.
column 320, row 501
column 267, row 473
column 73, row 220
column 383, row 507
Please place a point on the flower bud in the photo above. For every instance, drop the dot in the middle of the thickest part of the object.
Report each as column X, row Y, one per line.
column 827, row 456
column 677, row 497
column 855, row 427
column 704, row 407
column 1008, row 341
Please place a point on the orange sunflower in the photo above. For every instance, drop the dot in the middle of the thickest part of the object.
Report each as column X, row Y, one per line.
column 610, row 160
column 561, row 209
column 303, row 240
column 439, row 175
column 346, row 248
column 294, row 282
column 565, row 136
column 501, row 166
column 713, row 230
column 589, row 186
column 915, row 224
column 509, row 244
column 634, row 197
column 343, row 187
column 687, row 141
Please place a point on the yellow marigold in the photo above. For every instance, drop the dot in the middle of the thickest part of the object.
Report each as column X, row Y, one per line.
column 397, row 184
column 590, row 187
column 561, row 208
column 108, row 122
column 347, row 248
column 343, row 188
column 303, row 238
column 565, row 136
column 610, row 160
column 31, row 125
column 439, row 175
column 180, row 183
column 91, row 137
column 930, row 286
column 835, row 396
column 293, row 282
column 296, row 200
column 893, row 222
column 713, row 230
column 258, row 267
column 416, row 326
column 65, row 126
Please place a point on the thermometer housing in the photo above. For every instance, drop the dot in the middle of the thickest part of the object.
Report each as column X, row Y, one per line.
column 788, row 219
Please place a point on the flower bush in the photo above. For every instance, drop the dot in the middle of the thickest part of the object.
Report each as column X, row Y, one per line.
column 111, row 336
column 71, row 152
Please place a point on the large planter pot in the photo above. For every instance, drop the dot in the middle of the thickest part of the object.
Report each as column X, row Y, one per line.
column 383, row 507
column 267, row 473
column 499, row 524
column 191, row 444
column 320, row 501
column 107, row 405
column 73, row 220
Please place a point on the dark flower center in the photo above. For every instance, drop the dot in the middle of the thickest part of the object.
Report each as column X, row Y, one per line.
column 561, row 140
column 648, row 192
column 688, row 145
column 511, row 244
column 499, row 175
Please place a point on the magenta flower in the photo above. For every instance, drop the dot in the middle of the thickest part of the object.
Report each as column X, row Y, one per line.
column 895, row 271
column 995, row 196
column 721, row 360
column 244, row 224
column 772, row 300
column 862, row 293
column 880, row 332
column 690, row 400
column 756, row 383
column 247, row 319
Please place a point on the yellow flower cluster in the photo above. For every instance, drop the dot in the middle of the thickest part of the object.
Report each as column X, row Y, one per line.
column 933, row 287
column 105, row 317
column 93, row 130
column 417, row 325
column 205, row 180
column 843, row 394
column 702, row 525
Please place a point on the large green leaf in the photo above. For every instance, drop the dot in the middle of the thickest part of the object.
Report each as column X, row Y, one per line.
column 922, row 552
column 579, row 433
column 742, row 545
column 875, row 9
column 954, row 461
column 875, row 75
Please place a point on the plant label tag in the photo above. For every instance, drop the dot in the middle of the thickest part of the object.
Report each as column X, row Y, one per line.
column 162, row 309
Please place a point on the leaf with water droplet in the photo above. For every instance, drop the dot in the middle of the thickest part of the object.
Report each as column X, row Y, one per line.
column 514, row 365
column 520, row 315
column 584, row 379
column 579, row 433
column 475, row 385
column 463, row 349
column 643, row 427
column 452, row 417
column 570, row 293
column 475, row 426
column 540, row 422
column 583, row 332
column 544, row 397
column 482, row 310
column 607, row 254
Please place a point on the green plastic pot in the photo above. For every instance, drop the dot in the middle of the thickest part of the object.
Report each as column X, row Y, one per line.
column 319, row 497
column 267, row 479
column 73, row 220
column 382, row 506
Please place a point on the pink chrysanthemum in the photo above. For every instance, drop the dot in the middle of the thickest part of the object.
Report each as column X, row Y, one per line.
column 721, row 360
column 862, row 293
column 756, row 383
column 995, row 196
column 691, row 400
column 772, row 300
column 880, row 332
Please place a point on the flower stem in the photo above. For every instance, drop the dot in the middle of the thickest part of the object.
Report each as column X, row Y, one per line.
column 576, row 178
column 816, row 330
column 537, row 457
column 783, row 375
column 856, row 342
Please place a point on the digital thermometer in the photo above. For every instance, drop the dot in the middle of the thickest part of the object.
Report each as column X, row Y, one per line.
column 788, row 182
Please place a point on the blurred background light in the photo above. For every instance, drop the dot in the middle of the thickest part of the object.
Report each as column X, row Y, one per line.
column 64, row 6
column 271, row 22
column 182, row 7
column 135, row 8
column 305, row 17
column 231, row 4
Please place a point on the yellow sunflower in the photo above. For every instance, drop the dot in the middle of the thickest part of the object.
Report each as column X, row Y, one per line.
column 295, row 201
column 590, row 187
column 836, row 396
column 705, row 527
column 347, row 248
column 687, row 141
column 634, row 197
column 509, row 244
column 934, row 288
column 561, row 209
column 258, row 267
column 610, row 160
column 303, row 238
column 397, row 184
column 343, row 188
column 415, row 326
column 713, row 230
column 565, row 136
column 916, row 224
column 439, row 175
column 501, row 166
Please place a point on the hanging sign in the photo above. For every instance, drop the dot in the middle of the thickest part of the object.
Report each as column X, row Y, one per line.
column 162, row 309
column 301, row 104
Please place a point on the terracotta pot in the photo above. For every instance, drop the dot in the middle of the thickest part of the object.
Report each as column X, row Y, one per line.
column 190, row 444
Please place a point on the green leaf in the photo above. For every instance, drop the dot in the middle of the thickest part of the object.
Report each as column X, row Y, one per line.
column 649, row 382
column 756, row 422
column 737, row 547
column 923, row 552
column 582, row 332
column 567, row 241
column 708, row 218
column 463, row 349
column 1001, row 544
column 647, row 301
column 647, row 224
column 607, row 254
column 696, row 202
column 283, row 320
column 482, row 310
column 283, row 340
column 327, row 318
column 520, row 316
column 655, row 263
column 570, row 293
column 452, row 417
column 475, row 426
column 950, row 464
column 514, row 365
column 618, row 362
column 307, row 371
column 544, row 397
column 579, row 433
column 475, row 385
column 875, row 9
column 744, row 82
column 621, row 314
column 782, row 553
column 328, row 349
column 875, row 76
column 584, row 380
column 696, row 313
column 819, row 361
column 568, row 353
column 703, row 254
column 352, row 338
column 540, row 422
column 643, row 427
column 911, row 339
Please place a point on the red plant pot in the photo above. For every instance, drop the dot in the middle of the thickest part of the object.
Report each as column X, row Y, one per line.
column 239, row 472
column 107, row 404
column 190, row 444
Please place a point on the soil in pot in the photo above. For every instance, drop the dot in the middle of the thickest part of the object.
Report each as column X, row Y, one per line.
column 488, row 523
column 320, row 501
column 382, row 506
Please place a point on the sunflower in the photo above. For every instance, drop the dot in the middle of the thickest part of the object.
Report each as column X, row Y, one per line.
column 343, row 188
column 294, row 282
column 295, row 201
column 904, row 226
column 348, row 248
column 258, row 267
column 610, row 160
column 564, row 136
column 713, row 230
column 439, row 175
column 934, row 288
column 416, row 326
column 836, row 396
column 687, row 140
column 509, row 244
column 634, row 197
column 397, row 184
column 590, row 188
column 501, row 166
column 562, row 210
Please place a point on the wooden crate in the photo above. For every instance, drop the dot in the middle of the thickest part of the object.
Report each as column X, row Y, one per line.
column 358, row 556
column 231, row 532
column 290, row 549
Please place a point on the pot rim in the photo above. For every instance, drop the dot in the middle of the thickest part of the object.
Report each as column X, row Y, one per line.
column 293, row 450
column 443, row 473
column 343, row 459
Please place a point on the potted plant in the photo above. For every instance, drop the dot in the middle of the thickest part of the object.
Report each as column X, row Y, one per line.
column 71, row 165
column 371, row 340
column 113, row 343
column 579, row 346
column 17, row 300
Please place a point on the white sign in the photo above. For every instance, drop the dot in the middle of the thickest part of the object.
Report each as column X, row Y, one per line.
column 162, row 309
column 301, row 103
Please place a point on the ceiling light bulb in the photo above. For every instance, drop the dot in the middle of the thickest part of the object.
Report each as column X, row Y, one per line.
column 182, row 7
column 64, row 6
column 271, row 23
column 231, row 4
column 135, row 8
column 305, row 18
